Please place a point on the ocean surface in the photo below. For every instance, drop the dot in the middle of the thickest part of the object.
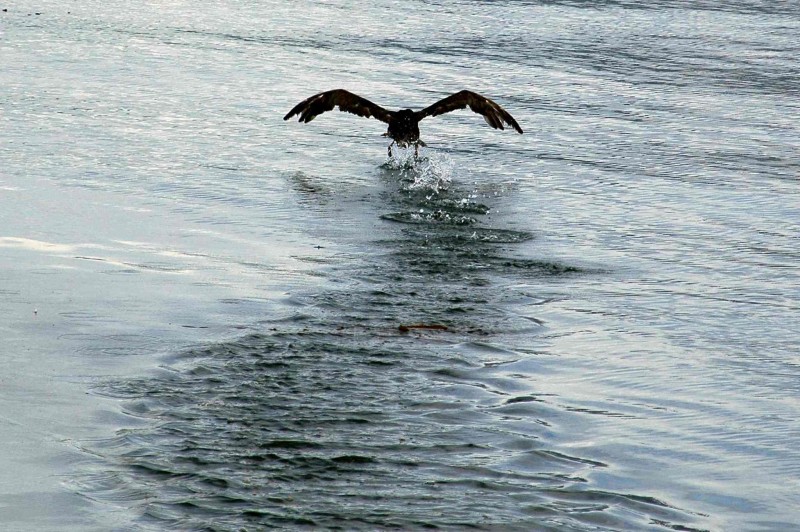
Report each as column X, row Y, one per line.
column 215, row 319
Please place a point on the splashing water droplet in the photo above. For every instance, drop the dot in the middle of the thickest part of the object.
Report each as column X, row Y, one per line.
column 432, row 171
column 401, row 159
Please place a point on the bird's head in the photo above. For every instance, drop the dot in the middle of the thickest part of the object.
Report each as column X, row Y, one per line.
column 405, row 115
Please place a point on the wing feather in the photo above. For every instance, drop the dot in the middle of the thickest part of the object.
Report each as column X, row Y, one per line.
column 346, row 101
column 494, row 115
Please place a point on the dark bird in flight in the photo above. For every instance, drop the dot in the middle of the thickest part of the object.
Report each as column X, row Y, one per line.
column 403, row 124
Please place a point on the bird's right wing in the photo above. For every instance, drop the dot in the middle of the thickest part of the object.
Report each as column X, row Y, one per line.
column 309, row 108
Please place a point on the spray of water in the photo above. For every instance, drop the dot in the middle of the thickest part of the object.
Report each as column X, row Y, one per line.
column 431, row 171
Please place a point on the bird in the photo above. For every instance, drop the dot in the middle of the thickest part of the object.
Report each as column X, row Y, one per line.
column 403, row 124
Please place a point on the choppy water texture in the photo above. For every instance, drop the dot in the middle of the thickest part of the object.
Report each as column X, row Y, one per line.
column 615, row 293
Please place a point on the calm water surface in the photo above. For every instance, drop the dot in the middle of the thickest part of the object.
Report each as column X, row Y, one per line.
column 620, row 285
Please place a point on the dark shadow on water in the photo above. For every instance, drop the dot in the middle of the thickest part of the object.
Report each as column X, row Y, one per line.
column 336, row 418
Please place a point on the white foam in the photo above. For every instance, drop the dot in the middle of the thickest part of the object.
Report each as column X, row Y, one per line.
column 432, row 171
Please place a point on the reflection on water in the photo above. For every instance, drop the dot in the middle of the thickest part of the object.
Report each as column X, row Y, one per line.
column 346, row 424
column 336, row 417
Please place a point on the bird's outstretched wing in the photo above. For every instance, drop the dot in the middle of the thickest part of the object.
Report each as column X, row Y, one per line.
column 346, row 101
column 494, row 115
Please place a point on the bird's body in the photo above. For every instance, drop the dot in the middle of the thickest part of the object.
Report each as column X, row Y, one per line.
column 404, row 124
column 404, row 128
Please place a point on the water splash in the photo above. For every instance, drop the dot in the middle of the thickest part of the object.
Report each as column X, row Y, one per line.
column 403, row 159
column 432, row 171
column 424, row 216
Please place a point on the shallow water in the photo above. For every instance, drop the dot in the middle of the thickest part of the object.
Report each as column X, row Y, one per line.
column 614, row 292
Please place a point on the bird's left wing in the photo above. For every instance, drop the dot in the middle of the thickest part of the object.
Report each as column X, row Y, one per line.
column 494, row 115
column 309, row 108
